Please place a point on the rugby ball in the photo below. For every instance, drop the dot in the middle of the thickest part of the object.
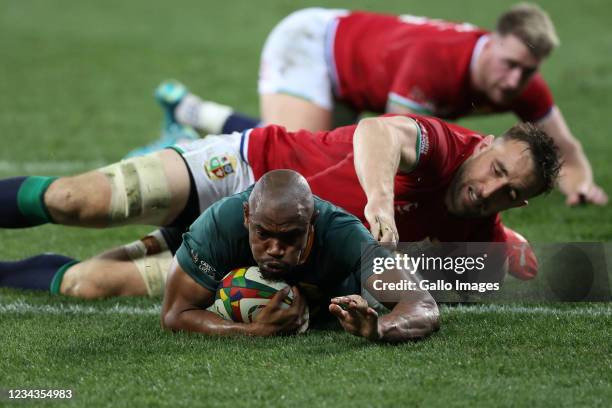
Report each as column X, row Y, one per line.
column 243, row 292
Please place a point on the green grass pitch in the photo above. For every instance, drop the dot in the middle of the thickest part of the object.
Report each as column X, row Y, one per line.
column 76, row 93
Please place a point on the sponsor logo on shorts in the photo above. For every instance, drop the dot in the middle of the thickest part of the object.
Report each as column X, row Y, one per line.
column 219, row 167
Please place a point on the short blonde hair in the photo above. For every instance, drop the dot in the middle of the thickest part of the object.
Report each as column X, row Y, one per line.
column 532, row 26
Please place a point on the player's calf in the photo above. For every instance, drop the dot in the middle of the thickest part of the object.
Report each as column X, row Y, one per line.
column 136, row 269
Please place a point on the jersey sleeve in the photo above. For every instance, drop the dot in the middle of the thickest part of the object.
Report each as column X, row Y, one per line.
column 216, row 242
column 535, row 102
column 197, row 254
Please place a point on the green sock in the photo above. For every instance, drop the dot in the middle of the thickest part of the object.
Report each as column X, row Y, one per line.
column 56, row 283
column 30, row 199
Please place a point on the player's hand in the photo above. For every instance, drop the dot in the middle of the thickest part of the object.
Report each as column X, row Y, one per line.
column 355, row 316
column 577, row 190
column 587, row 193
column 276, row 319
column 381, row 217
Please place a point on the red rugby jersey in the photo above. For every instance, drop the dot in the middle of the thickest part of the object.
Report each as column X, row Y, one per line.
column 420, row 63
column 326, row 160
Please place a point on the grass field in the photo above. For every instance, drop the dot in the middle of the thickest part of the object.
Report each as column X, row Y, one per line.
column 76, row 85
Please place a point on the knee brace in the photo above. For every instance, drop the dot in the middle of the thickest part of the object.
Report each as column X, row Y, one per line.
column 140, row 191
column 152, row 259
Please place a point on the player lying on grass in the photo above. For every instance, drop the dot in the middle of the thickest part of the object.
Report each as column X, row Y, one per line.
column 294, row 237
column 319, row 61
column 410, row 176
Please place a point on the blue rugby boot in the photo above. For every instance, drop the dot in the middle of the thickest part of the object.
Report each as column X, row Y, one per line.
column 171, row 135
column 169, row 94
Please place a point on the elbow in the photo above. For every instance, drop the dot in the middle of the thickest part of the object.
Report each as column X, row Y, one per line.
column 419, row 325
column 430, row 320
column 170, row 321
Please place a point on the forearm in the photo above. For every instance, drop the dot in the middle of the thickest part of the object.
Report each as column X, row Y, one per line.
column 570, row 148
column 411, row 321
column 377, row 158
column 205, row 322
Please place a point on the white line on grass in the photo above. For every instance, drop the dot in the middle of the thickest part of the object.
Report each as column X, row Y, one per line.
column 22, row 307
column 600, row 310
column 49, row 167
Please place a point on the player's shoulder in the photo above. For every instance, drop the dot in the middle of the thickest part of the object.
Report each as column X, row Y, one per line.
column 435, row 130
column 226, row 213
column 334, row 221
column 329, row 213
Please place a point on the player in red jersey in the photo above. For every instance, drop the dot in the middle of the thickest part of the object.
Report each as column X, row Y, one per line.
column 409, row 177
column 317, row 62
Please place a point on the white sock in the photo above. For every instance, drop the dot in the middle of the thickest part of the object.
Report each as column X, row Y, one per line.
column 205, row 115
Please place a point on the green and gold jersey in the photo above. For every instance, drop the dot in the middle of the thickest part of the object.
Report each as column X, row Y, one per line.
column 218, row 242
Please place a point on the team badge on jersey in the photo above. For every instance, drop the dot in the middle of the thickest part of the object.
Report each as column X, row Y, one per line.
column 219, row 167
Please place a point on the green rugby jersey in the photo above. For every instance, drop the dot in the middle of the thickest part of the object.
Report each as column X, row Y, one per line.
column 218, row 242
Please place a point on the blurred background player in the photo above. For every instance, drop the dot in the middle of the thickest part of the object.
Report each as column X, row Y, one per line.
column 428, row 180
column 318, row 62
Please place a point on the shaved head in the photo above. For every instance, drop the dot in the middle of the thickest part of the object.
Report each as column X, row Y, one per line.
column 280, row 219
column 283, row 191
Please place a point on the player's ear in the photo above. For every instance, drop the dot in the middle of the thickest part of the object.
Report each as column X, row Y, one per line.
column 484, row 143
column 245, row 212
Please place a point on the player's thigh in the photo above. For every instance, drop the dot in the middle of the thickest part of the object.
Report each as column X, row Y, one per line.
column 152, row 189
column 179, row 183
column 295, row 77
column 294, row 113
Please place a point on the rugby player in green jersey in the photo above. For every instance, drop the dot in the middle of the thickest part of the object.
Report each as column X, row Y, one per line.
column 295, row 237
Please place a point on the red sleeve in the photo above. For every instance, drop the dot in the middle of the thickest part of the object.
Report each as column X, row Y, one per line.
column 535, row 102
column 442, row 149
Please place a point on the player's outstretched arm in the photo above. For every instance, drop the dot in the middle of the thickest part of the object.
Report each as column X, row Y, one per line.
column 415, row 317
column 185, row 302
column 576, row 180
column 383, row 146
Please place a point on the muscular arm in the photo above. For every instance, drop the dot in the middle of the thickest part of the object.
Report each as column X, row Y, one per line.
column 382, row 147
column 185, row 302
column 576, row 179
column 414, row 317
column 184, row 307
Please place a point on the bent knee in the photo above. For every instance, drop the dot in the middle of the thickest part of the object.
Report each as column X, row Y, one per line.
column 79, row 200
column 78, row 281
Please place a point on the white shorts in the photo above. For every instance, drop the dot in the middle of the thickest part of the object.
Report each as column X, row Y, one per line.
column 295, row 59
column 218, row 166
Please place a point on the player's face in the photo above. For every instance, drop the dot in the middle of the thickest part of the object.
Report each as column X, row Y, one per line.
column 507, row 68
column 500, row 175
column 278, row 240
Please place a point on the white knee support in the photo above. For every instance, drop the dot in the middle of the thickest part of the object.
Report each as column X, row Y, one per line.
column 140, row 191
column 152, row 258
